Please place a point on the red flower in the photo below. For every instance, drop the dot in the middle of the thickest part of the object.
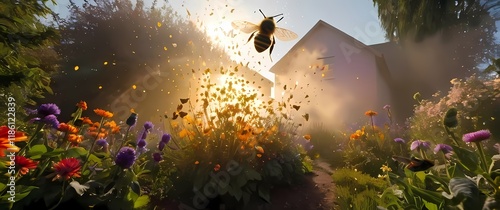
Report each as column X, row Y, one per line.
column 67, row 168
column 82, row 105
column 25, row 164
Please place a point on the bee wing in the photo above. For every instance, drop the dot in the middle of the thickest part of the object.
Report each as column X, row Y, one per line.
column 245, row 26
column 284, row 34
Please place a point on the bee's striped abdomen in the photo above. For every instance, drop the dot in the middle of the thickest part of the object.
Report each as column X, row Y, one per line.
column 261, row 42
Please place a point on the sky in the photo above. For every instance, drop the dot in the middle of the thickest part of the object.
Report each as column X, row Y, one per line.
column 357, row 18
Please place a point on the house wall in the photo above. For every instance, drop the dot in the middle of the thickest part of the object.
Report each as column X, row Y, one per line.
column 340, row 89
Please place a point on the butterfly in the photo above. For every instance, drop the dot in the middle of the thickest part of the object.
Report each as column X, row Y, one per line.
column 414, row 164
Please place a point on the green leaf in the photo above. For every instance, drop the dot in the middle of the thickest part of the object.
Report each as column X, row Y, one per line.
column 53, row 153
column 431, row 206
column 132, row 196
column 77, row 152
column 264, row 193
column 141, row 201
column 2, row 186
column 430, row 196
column 36, row 151
column 468, row 159
column 252, row 174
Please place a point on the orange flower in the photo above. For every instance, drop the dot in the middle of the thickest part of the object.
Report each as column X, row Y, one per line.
column 25, row 164
column 115, row 130
column 87, row 121
column 110, row 124
column 259, row 155
column 82, row 105
column 66, row 169
column 355, row 136
column 96, row 124
column 371, row 113
column 196, row 162
column 75, row 139
column 67, row 128
column 5, row 142
column 307, row 137
column 103, row 113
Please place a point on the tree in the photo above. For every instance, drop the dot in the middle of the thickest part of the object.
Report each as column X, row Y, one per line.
column 24, row 74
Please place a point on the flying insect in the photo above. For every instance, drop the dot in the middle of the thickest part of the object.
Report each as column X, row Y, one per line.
column 265, row 32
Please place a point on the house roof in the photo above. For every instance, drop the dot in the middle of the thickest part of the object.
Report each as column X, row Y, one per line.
column 310, row 34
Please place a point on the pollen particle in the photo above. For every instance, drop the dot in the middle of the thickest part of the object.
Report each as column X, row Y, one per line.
column 76, row 68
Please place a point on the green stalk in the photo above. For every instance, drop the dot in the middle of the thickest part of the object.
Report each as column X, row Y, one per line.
column 28, row 145
column 446, row 166
column 482, row 156
column 93, row 144
column 123, row 141
column 62, row 196
column 453, row 137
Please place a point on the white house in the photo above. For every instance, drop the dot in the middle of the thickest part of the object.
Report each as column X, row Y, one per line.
column 333, row 77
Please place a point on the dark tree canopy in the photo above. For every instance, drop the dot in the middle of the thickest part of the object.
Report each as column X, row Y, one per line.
column 26, row 54
column 473, row 21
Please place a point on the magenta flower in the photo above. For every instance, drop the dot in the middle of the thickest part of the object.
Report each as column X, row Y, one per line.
column 477, row 136
column 443, row 148
column 420, row 145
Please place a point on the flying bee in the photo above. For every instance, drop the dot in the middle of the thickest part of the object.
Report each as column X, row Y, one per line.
column 265, row 32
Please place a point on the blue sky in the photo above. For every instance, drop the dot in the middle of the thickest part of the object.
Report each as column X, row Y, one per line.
column 357, row 18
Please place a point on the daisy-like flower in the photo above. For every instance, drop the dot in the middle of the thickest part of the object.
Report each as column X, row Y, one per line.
column 125, row 158
column 24, row 164
column 443, row 148
column 103, row 113
column 75, row 139
column 48, row 109
column 385, row 168
column 419, row 144
column 82, row 105
column 371, row 113
column 67, row 128
column 5, row 142
column 66, row 169
column 86, row 120
column 477, row 136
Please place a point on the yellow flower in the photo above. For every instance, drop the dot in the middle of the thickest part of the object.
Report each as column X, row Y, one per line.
column 385, row 168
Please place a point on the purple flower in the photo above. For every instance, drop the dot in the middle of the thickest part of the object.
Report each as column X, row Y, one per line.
column 387, row 106
column 166, row 138
column 148, row 125
column 443, row 148
column 157, row 157
column 141, row 143
column 419, row 144
column 161, row 145
column 51, row 120
column 132, row 120
column 102, row 143
column 125, row 157
column 477, row 136
column 48, row 109
column 399, row 140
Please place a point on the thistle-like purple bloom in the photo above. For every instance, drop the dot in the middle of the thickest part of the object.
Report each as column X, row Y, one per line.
column 477, row 136
column 102, row 143
column 161, row 145
column 132, row 120
column 125, row 157
column 443, row 148
column 48, row 109
column 419, row 144
column 141, row 143
column 166, row 138
column 157, row 157
column 148, row 125
column 51, row 120
column 399, row 140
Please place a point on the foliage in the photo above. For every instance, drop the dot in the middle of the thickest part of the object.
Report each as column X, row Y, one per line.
column 64, row 167
column 356, row 190
column 230, row 147
column 327, row 144
column 474, row 98
column 24, row 74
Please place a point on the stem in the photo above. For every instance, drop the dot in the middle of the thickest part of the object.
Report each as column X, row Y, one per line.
column 93, row 144
column 446, row 166
column 38, row 129
column 123, row 141
column 482, row 156
column 452, row 135
column 422, row 153
column 62, row 196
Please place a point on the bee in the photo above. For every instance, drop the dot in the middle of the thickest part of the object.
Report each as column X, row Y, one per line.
column 414, row 164
column 265, row 32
